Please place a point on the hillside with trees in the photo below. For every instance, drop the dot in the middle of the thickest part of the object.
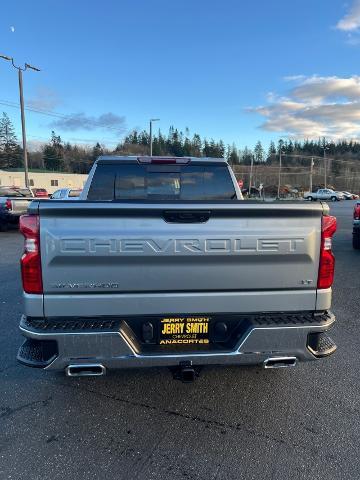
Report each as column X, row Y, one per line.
column 343, row 157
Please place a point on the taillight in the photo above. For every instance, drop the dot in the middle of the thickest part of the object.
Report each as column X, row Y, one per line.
column 327, row 259
column 31, row 260
column 357, row 212
column 8, row 204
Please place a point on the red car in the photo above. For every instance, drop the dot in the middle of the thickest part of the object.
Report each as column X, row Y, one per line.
column 40, row 192
column 356, row 226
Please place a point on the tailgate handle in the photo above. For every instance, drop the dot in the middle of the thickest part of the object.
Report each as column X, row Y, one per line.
column 186, row 216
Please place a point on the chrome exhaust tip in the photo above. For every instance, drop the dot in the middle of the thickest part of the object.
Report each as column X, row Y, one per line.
column 280, row 362
column 85, row 370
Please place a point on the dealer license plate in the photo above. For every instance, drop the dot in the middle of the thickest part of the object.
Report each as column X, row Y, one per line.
column 184, row 330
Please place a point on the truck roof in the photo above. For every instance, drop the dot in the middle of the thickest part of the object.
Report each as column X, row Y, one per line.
column 136, row 158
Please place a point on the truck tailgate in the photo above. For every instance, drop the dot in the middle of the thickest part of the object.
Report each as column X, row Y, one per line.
column 92, row 247
column 19, row 206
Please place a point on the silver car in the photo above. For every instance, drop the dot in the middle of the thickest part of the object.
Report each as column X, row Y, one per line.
column 66, row 194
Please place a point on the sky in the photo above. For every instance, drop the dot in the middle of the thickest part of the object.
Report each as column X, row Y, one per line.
column 235, row 70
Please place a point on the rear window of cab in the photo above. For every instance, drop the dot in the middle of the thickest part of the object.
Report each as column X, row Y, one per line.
column 161, row 182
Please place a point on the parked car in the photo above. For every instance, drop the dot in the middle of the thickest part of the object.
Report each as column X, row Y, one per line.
column 66, row 194
column 165, row 265
column 40, row 193
column 324, row 194
column 14, row 202
column 350, row 196
column 356, row 226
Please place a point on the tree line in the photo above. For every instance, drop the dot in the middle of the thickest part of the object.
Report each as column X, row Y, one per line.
column 57, row 155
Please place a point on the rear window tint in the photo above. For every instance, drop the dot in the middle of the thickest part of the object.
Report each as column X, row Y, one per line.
column 161, row 182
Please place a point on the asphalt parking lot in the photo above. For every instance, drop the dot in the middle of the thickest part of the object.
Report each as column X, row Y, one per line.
column 232, row 423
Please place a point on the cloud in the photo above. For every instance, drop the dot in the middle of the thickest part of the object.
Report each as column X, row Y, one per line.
column 12, row 29
column 44, row 99
column 316, row 89
column 315, row 107
column 80, row 121
column 351, row 21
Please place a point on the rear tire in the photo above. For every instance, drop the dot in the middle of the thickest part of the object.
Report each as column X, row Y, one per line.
column 334, row 199
column 310, row 199
column 3, row 227
column 356, row 241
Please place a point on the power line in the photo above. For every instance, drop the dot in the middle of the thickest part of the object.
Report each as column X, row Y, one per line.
column 57, row 115
column 67, row 139
column 315, row 157
column 52, row 114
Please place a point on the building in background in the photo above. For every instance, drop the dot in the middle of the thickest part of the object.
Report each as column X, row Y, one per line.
column 51, row 181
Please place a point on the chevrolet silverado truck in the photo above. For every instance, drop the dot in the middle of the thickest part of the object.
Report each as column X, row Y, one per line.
column 356, row 226
column 162, row 263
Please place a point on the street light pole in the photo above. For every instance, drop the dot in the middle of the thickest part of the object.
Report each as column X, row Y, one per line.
column 279, row 175
column 311, row 174
column 151, row 135
column 251, row 173
column 325, row 168
column 22, row 110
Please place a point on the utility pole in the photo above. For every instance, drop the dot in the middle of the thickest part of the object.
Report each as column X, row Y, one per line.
column 21, row 94
column 23, row 128
column 151, row 135
column 251, row 173
column 311, row 174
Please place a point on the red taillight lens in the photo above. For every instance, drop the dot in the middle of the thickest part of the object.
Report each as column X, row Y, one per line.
column 327, row 259
column 31, row 260
column 8, row 205
column 357, row 212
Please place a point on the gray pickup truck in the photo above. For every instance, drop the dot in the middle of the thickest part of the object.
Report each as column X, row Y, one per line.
column 14, row 202
column 161, row 263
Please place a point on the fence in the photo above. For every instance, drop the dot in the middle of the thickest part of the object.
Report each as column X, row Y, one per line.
column 340, row 174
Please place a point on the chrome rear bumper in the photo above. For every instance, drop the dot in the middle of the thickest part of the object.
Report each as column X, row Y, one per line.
column 113, row 348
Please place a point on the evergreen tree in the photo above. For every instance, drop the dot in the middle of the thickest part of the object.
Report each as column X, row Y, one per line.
column 97, row 151
column 246, row 156
column 53, row 154
column 271, row 152
column 196, row 146
column 233, row 156
column 10, row 153
column 259, row 153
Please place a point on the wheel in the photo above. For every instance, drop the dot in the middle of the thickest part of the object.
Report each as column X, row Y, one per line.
column 310, row 199
column 356, row 241
column 3, row 227
column 334, row 199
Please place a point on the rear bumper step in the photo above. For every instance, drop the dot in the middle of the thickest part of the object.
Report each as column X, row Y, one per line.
column 320, row 344
column 38, row 353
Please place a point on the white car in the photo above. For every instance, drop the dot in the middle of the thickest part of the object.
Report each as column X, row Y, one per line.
column 350, row 196
column 66, row 194
column 324, row 194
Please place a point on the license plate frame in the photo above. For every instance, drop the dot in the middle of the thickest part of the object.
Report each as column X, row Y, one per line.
column 186, row 330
